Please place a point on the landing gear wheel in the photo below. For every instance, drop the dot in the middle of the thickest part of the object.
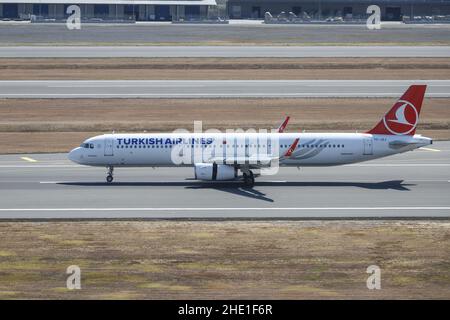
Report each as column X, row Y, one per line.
column 249, row 179
column 109, row 177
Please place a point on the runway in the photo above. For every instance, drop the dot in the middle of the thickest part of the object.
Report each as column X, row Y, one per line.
column 221, row 51
column 151, row 34
column 215, row 88
column 47, row 186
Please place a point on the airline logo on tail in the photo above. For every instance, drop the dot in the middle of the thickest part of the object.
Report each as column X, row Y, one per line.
column 403, row 117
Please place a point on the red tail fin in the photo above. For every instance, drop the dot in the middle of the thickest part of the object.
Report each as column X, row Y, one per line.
column 403, row 117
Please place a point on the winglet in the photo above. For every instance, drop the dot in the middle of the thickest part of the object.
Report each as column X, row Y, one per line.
column 291, row 148
column 283, row 125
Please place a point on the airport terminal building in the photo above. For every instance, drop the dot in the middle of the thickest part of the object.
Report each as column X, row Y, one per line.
column 391, row 10
column 185, row 10
column 106, row 10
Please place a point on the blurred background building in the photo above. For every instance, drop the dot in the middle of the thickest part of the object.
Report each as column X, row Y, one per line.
column 185, row 10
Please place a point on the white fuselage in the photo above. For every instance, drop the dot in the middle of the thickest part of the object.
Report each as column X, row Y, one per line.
column 173, row 149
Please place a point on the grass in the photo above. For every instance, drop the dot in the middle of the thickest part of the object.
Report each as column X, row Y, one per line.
column 224, row 68
column 57, row 125
column 260, row 260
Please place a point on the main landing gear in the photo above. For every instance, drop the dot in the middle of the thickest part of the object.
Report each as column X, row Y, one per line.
column 109, row 177
column 249, row 178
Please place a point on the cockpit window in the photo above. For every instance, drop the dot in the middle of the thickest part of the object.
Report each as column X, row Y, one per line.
column 87, row 145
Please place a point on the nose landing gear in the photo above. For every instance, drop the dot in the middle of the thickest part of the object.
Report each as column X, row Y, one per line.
column 249, row 178
column 109, row 177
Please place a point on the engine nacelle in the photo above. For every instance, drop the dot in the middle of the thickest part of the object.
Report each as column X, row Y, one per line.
column 213, row 171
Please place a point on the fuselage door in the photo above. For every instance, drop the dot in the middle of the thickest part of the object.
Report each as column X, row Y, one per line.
column 368, row 146
column 109, row 146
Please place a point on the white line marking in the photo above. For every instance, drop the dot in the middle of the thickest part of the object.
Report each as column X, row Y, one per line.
column 430, row 149
column 53, row 182
column 126, row 86
column 400, row 165
column 231, row 181
column 347, row 165
column 40, row 166
column 238, row 94
column 231, row 209
column 28, row 159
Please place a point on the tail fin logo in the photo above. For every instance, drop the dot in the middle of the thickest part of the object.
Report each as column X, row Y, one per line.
column 402, row 118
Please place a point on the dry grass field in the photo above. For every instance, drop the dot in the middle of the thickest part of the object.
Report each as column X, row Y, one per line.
column 261, row 260
column 212, row 259
column 224, row 68
column 56, row 125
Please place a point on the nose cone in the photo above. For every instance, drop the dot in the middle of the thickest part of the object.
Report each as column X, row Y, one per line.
column 76, row 155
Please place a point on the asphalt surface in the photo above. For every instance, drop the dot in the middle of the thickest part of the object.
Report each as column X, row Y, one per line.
column 222, row 51
column 414, row 184
column 214, row 88
column 113, row 34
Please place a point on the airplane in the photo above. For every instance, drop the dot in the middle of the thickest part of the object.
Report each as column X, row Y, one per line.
column 222, row 156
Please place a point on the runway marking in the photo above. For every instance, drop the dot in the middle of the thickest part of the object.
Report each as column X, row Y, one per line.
column 430, row 149
column 53, row 182
column 28, row 159
column 129, row 86
column 232, row 209
column 226, row 182
column 182, row 95
column 346, row 165
column 400, row 165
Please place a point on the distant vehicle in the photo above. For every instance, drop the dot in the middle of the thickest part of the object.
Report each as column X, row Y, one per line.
column 234, row 156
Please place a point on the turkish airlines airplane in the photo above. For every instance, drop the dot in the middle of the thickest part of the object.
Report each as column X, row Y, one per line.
column 223, row 156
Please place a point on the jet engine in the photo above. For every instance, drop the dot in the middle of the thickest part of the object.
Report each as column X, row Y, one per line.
column 214, row 171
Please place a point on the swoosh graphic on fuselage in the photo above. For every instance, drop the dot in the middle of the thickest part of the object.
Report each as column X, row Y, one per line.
column 306, row 153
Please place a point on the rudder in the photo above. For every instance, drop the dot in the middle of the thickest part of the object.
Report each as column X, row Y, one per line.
column 403, row 117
